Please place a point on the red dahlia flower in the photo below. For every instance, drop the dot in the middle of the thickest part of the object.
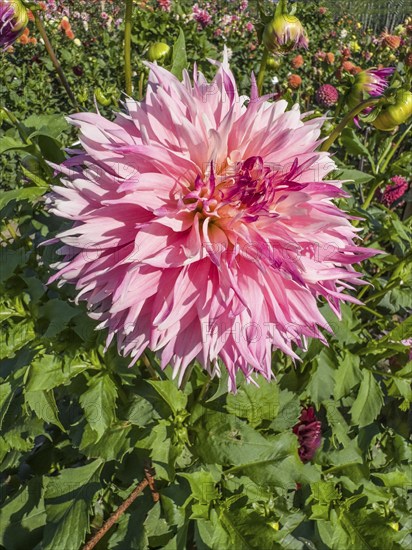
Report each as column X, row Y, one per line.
column 308, row 430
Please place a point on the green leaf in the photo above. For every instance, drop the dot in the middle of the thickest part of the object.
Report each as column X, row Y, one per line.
column 352, row 143
column 322, row 381
column 21, row 194
column 157, row 529
column 363, row 530
column 43, row 404
column 369, row 401
column 226, row 440
column 289, row 412
column 240, row 528
column 179, row 57
column 116, row 441
column 99, row 403
column 169, row 392
column 67, row 501
column 37, row 180
column 255, row 403
column 8, row 143
column 46, row 125
column 347, row 376
column 354, row 175
column 395, row 478
column 58, row 313
column 45, row 373
column 203, row 485
column 23, row 517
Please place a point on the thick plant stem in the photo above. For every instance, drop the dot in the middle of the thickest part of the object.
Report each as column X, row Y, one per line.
column 128, row 47
column 114, row 518
column 262, row 70
column 40, row 27
column 345, row 121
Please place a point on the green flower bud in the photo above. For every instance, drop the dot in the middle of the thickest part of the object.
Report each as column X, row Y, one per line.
column 158, row 51
column 393, row 115
column 284, row 33
column 101, row 98
column 273, row 63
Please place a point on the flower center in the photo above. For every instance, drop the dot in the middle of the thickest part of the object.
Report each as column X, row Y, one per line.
column 244, row 191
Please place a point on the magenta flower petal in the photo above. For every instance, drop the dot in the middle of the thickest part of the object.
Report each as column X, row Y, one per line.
column 203, row 227
column 376, row 80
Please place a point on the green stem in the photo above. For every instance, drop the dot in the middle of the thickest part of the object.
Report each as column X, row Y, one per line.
column 394, row 149
column 386, row 151
column 371, row 194
column 345, row 121
column 128, row 47
column 54, row 60
column 262, row 70
column 141, row 82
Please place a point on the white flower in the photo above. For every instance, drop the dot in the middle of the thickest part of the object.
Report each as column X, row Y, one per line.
column 275, row 80
column 343, row 33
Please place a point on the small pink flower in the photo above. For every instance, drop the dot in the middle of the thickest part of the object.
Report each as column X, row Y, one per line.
column 164, row 5
column 201, row 16
column 250, row 26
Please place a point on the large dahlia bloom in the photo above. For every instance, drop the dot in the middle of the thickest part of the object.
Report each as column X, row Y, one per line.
column 202, row 227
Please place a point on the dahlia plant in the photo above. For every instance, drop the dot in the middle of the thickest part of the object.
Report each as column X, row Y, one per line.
column 246, row 389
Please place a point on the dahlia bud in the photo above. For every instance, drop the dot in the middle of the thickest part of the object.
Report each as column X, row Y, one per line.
column 158, row 51
column 373, row 82
column 308, row 431
column 393, row 115
column 327, row 95
column 284, row 33
column 13, row 21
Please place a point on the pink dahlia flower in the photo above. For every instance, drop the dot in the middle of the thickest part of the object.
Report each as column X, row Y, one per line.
column 202, row 227
column 375, row 81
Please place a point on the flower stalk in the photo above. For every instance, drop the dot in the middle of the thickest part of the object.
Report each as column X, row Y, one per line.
column 49, row 48
column 347, row 119
column 262, row 70
column 128, row 47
